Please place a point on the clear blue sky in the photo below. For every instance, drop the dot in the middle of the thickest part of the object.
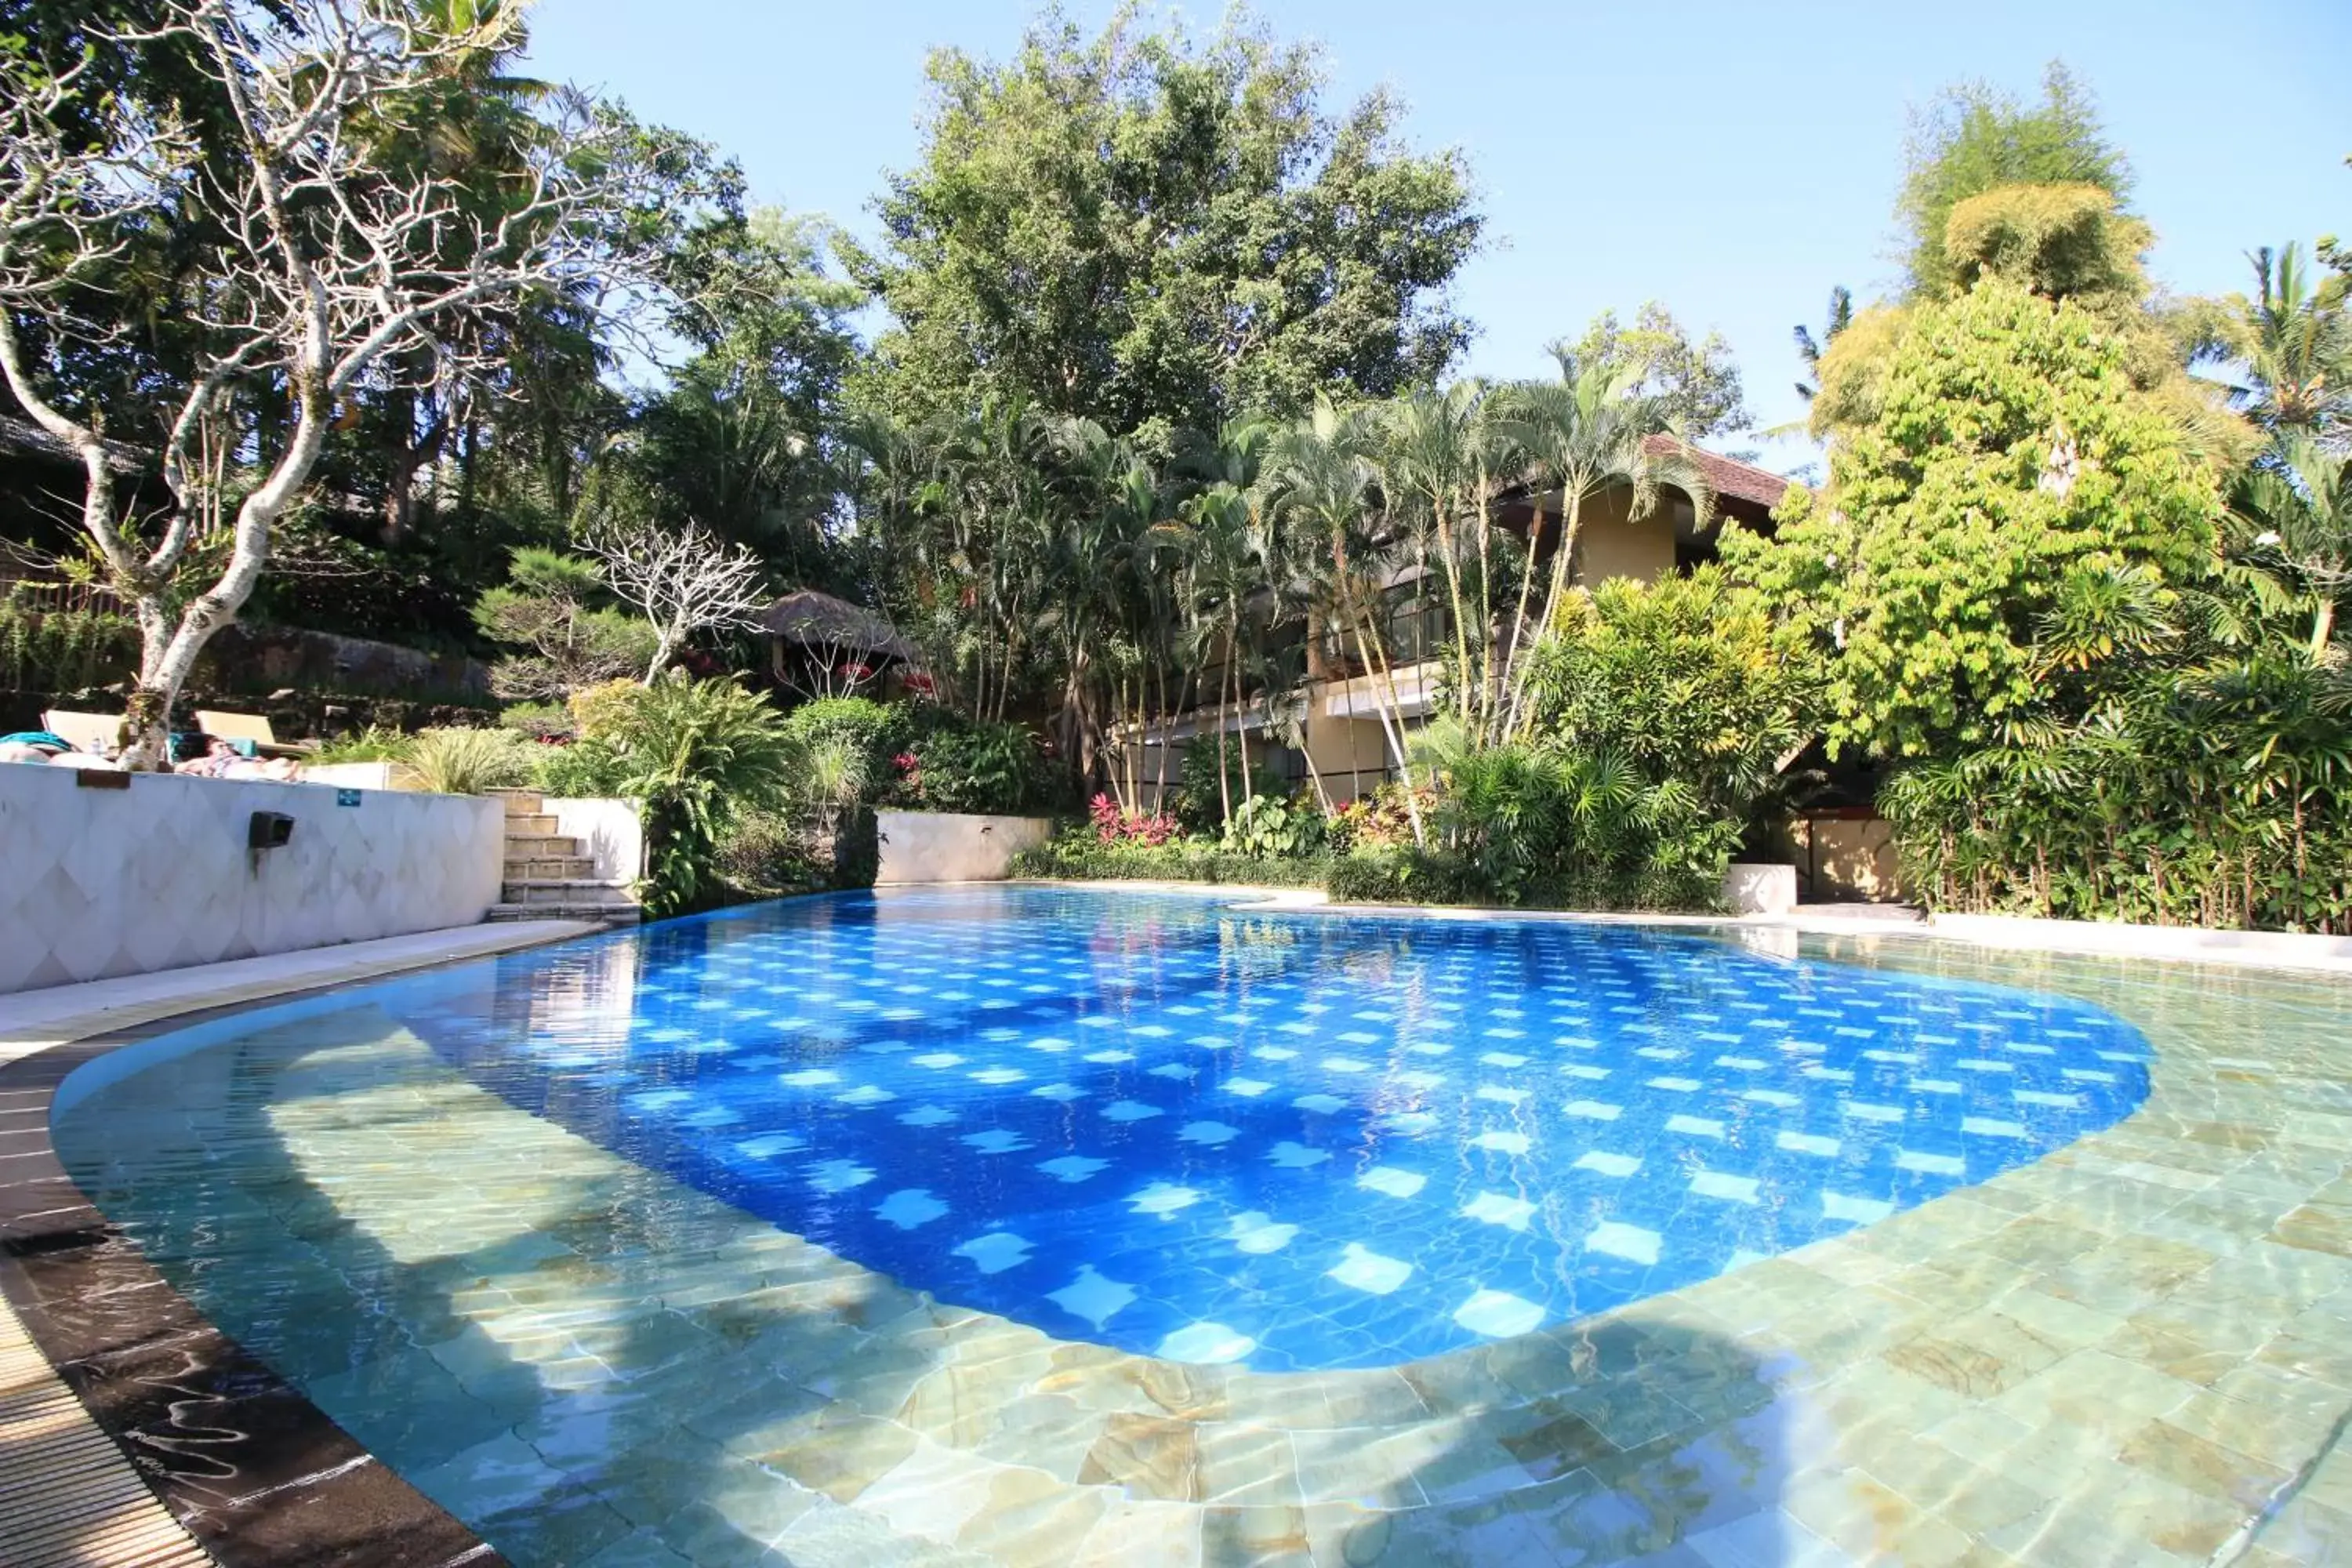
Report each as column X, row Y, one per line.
column 1730, row 158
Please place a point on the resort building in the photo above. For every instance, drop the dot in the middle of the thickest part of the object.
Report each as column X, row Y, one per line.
column 1331, row 720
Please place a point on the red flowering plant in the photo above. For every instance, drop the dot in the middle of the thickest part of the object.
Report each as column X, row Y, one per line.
column 908, row 781
column 1113, row 825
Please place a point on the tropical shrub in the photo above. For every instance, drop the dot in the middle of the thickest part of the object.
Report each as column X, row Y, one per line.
column 1079, row 854
column 877, row 732
column 586, row 769
column 1113, row 825
column 557, row 608
column 699, row 754
column 470, row 762
column 2008, row 450
column 1268, row 826
column 376, row 744
column 978, row 765
column 2215, row 797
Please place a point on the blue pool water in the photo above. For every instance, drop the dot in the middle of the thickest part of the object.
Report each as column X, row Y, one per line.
column 1293, row 1141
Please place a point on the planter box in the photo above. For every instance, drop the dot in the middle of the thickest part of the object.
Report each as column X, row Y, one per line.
column 953, row 846
column 1756, row 890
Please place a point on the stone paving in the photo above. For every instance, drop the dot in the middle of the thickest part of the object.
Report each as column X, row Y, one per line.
column 2130, row 1352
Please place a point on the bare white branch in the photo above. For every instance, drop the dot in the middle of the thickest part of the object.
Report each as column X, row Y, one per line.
column 326, row 260
column 683, row 582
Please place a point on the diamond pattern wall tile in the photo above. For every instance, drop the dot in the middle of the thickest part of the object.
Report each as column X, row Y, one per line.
column 110, row 882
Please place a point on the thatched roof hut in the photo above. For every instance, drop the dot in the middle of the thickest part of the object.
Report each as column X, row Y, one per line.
column 829, row 627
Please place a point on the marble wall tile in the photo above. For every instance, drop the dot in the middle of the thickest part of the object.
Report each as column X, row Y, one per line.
column 97, row 882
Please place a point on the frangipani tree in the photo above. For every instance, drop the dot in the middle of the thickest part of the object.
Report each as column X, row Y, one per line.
column 313, row 255
column 683, row 581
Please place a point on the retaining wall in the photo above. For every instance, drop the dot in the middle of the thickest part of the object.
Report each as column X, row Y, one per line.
column 97, row 881
column 951, row 846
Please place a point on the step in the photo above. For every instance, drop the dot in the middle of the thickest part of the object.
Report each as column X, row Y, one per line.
column 519, row 802
column 611, row 914
column 529, row 822
column 563, row 890
column 540, row 845
column 550, row 868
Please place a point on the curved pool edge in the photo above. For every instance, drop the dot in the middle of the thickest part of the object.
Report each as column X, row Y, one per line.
column 1831, row 1300
column 153, row 1377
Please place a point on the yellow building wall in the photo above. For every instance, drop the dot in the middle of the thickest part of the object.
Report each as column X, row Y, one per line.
column 1349, row 753
column 1846, row 858
column 1609, row 544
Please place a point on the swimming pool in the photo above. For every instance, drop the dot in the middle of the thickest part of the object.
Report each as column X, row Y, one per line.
column 1292, row 1141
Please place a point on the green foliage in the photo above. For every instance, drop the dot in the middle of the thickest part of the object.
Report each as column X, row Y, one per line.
column 1539, row 822
column 2061, row 242
column 554, row 606
column 2011, row 451
column 376, row 744
column 1697, row 382
column 767, row 854
column 1156, row 234
column 586, row 769
column 64, row 650
column 980, row 765
column 1977, row 139
column 470, row 762
column 1687, row 679
column 2219, row 797
column 1268, row 826
column 1078, row 855
column 698, row 754
column 875, row 731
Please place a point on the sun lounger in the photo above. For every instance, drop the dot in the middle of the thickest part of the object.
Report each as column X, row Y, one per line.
column 93, row 733
column 248, row 727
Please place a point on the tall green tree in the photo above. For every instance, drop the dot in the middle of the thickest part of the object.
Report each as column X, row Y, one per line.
column 1695, row 382
column 2008, row 453
column 1976, row 137
column 1157, row 233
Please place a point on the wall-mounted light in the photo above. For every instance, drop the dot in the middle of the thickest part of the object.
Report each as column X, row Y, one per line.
column 268, row 830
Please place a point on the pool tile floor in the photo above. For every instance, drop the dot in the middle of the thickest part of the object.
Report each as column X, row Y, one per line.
column 2121, row 1352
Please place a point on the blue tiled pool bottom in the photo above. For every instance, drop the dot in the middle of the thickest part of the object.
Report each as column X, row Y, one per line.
column 1293, row 1141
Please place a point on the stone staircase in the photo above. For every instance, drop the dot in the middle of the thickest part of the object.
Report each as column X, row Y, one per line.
column 548, row 876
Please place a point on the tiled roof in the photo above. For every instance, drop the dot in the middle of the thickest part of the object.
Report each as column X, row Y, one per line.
column 1729, row 476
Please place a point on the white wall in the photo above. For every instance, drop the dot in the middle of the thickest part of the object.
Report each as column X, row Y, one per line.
column 611, row 834
column 950, row 847
column 102, row 882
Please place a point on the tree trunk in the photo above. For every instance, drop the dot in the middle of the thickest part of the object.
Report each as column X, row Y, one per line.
column 1461, row 622
column 400, row 492
column 2323, row 627
column 1518, row 629
column 1571, row 508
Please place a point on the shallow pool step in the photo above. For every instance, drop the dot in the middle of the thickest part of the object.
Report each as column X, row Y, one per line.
column 612, row 914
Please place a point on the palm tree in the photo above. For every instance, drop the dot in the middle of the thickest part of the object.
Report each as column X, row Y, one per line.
column 2298, row 347
column 1432, row 447
column 1584, row 435
column 1322, row 485
column 2293, row 513
column 1811, row 348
